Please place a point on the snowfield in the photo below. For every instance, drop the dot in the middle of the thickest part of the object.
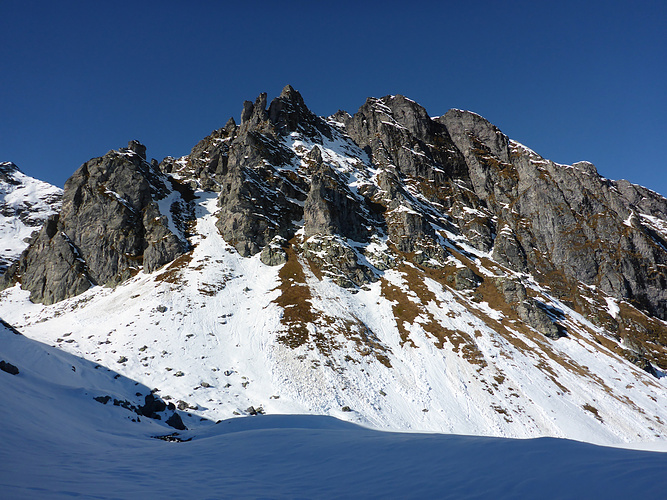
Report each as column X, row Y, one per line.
column 60, row 443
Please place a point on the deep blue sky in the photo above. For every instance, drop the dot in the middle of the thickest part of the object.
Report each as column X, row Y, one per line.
column 572, row 80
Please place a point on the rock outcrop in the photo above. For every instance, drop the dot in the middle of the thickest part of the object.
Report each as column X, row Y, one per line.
column 109, row 226
column 457, row 174
column 565, row 223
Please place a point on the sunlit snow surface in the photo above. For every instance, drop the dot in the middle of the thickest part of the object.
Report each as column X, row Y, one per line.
column 59, row 443
column 33, row 199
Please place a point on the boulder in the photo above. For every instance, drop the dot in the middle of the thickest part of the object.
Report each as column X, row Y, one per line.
column 274, row 254
column 8, row 368
column 176, row 422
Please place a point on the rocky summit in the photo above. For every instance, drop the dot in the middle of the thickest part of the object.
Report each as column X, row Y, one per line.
column 109, row 225
column 387, row 266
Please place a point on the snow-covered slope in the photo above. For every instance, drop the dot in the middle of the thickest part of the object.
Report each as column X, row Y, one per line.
column 59, row 443
column 205, row 331
column 25, row 203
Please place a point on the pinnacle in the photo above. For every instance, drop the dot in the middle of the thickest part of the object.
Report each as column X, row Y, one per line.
column 287, row 91
column 136, row 147
column 8, row 166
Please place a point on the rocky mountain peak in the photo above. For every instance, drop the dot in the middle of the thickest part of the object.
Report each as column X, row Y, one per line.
column 466, row 125
column 111, row 223
column 288, row 113
column 254, row 113
column 384, row 188
column 384, row 264
column 405, row 112
column 7, row 171
column 136, row 147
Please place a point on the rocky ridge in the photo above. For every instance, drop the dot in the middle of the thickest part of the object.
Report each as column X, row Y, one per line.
column 359, row 194
column 446, row 218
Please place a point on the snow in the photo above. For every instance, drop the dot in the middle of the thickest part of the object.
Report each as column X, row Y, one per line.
column 120, row 199
column 658, row 225
column 71, row 445
column 345, row 157
column 612, row 307
column 38, row 198
column 628, row 221
column 525, row 149
column 219, row 325
column 394, row 124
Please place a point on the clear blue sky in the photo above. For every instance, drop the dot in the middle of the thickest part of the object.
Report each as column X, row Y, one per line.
column 572, row 80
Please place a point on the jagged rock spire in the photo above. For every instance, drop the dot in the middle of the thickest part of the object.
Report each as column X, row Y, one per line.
column 137, row 147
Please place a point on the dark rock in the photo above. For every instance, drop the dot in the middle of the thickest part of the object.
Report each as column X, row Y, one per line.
column 206, row 164
column 7, row 171
column 398, row 132
column 108, row 227
column 465, row 279
column 529, row 310
column 251, row 410
column 641, row 362
column 565, row 222
column 176, row 422
column 288, row 113
column 152, row 406
column 137, row 147
column 508, row 251
column 9, row 368
column 330, row 208
column 253, row 206
column 337, row 260
column 102, row 399
column 257, row 198
column 248, row 108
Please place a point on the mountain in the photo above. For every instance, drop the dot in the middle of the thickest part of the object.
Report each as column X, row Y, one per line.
column 387, row 268
column 25, row 204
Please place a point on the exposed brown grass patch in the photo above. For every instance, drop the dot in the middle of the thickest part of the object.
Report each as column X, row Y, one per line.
column 295, row 299
column 502, row 411
column 649, row 331
column 592, row 409
column 305, row 325
column 405, row 310
column 409, row 309
column 172, row 273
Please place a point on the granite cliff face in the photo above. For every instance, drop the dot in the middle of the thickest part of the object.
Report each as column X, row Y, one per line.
column 386, row 188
